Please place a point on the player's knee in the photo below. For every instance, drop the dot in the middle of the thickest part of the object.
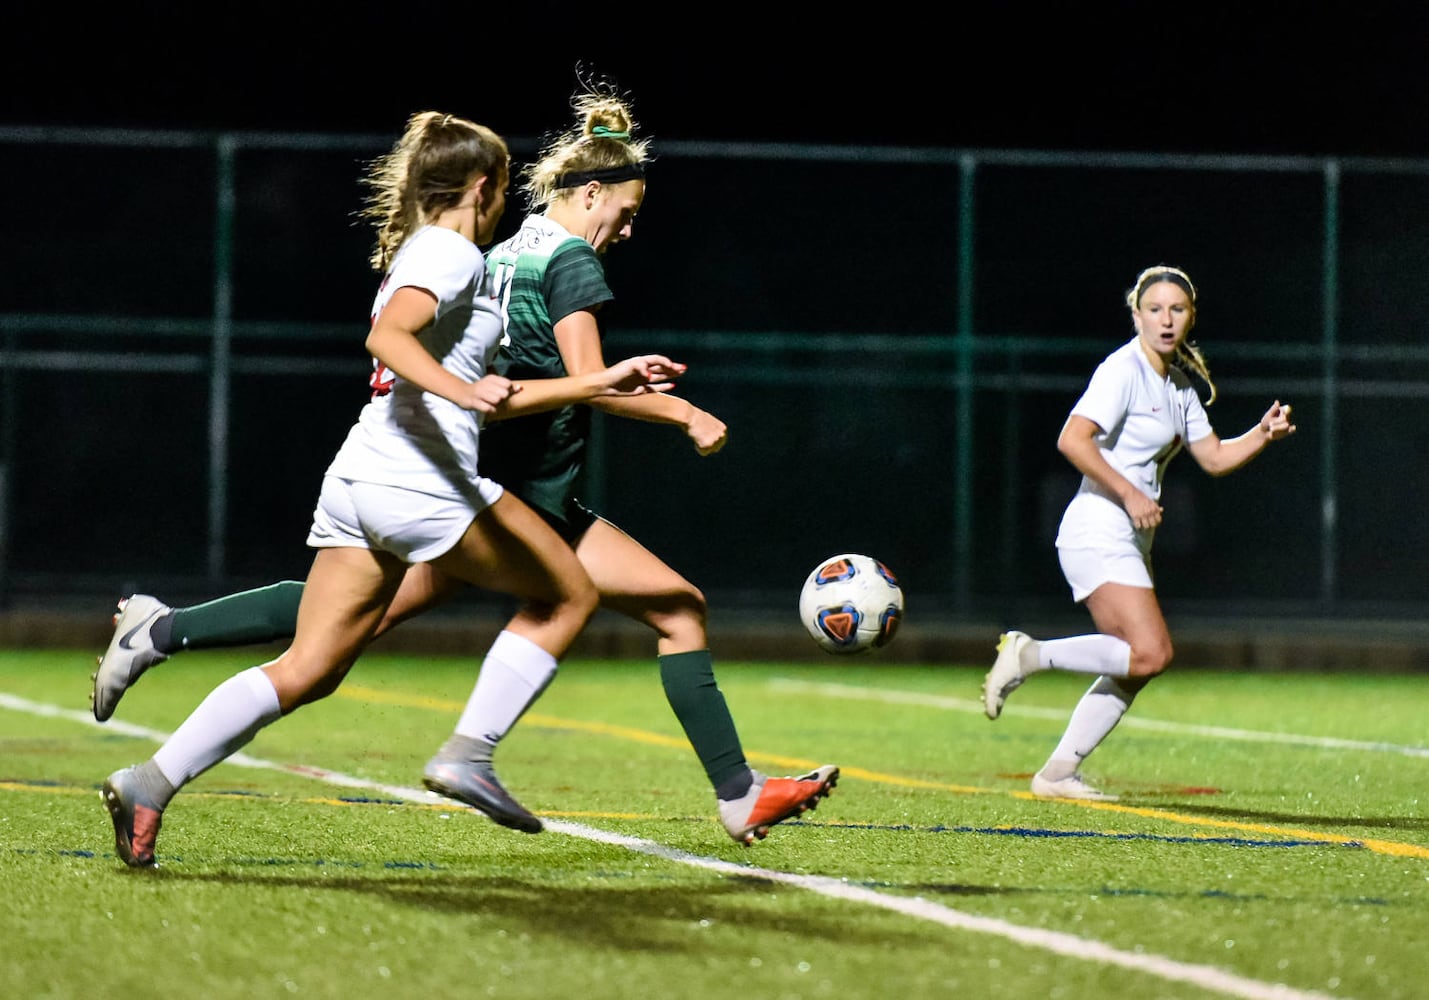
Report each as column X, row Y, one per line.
column 690, row 600
column 1148, row 661
column 680, row 616
column 683, row 607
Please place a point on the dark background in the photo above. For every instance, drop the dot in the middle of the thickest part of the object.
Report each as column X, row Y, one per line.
column 814, row 296
column 1314, row 79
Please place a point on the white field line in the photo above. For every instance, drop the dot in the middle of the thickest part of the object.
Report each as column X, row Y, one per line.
column 1128, row 721
column 1069, row 945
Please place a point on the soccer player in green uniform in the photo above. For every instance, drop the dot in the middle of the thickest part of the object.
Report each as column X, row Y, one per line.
column 585, row 190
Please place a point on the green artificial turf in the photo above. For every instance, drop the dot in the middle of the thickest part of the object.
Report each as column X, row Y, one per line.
column 1272, row 840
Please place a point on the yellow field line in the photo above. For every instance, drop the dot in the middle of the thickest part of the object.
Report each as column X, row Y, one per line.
column 1389, row 847
column 358, row 692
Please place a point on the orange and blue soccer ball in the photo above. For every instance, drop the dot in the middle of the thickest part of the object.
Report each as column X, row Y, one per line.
column 851, row 603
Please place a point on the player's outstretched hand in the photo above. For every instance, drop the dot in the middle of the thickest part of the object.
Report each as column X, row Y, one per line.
column 645, row 373
column 1276, row 422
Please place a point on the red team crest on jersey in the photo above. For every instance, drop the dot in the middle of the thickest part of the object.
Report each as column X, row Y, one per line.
column 382, row 377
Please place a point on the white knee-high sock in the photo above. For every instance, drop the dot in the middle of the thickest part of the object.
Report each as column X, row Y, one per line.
column 223, row 723
column 1095, row 716
column 512, row 677
column 1105, row 655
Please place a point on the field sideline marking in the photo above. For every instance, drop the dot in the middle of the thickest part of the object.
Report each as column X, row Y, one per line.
column 1202, row 976
column 1128, row 721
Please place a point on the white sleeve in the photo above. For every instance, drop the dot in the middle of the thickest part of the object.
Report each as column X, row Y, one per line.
column 1107, row 398
column 1198, row 425
column 448, row 268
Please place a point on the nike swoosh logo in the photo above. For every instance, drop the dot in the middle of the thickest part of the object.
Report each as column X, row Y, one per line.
column 492, row 789
column 124, row 639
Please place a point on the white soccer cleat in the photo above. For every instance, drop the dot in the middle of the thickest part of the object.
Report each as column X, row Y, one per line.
column 1007, row 672
column 1073, row 786
column 136, row 826
column 130, row 653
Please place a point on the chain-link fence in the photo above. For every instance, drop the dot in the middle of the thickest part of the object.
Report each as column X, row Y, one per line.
column 894, row 337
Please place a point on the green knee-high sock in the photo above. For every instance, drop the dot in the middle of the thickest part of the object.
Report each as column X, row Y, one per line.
column 252, row 616
column 693, row 693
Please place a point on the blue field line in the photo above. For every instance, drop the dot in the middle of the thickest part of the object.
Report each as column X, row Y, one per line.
column 1036, row 832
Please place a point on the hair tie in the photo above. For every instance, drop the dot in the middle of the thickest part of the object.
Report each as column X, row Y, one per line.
column 605, row 132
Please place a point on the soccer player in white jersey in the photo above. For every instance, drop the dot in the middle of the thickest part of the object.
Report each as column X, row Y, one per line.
column 404, row 488
column 1137, row 413
column 584, row 190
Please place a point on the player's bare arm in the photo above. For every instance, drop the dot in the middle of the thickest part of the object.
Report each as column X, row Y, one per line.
column 1078, row 445
column 578, row 337
column 1218, row 457
column 393, row 342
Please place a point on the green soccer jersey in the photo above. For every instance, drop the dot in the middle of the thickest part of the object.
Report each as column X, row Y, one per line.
column 542, row 274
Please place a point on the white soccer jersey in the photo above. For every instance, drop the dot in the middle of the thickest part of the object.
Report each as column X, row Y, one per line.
column 1145, row 419
column 407, row 437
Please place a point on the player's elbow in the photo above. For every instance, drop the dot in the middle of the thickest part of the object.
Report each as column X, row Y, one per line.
column 1216, row 464
column 1070, row 446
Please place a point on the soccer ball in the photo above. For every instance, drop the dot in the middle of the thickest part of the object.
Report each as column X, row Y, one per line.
column 851, row 604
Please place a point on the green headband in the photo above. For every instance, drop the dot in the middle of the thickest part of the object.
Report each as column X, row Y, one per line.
column 605, row 132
